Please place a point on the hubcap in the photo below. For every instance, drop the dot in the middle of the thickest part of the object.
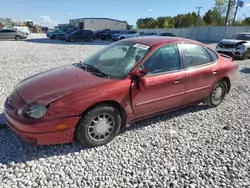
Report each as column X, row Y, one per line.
column 217, row 93
column 101, row 127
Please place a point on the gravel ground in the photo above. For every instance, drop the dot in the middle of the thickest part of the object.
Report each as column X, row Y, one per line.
column 193, row 148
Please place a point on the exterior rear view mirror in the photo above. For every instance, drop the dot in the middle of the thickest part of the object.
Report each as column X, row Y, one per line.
column 139, row 74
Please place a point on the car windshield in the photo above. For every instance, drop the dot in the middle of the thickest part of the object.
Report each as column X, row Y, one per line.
column 118, row 59
column 74, row 31
column 241, row 37
column 69, row 31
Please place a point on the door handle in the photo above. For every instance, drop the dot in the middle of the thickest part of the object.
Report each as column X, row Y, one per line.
column 177, row 81
column 214, row 72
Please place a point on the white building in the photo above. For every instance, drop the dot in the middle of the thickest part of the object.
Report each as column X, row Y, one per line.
column 98, row 24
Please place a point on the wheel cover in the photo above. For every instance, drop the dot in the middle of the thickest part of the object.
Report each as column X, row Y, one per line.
column 101, row 127
column 218, row 93
column 246, row 55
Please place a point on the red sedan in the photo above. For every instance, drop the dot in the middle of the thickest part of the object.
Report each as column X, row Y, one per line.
column 127, row 81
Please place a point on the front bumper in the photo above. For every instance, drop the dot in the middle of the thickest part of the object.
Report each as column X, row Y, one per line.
column 229, row 51
column 42, row 132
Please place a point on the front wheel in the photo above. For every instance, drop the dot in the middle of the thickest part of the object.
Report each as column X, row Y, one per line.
column 98, row 126
column 18, row 38
column 246, row 55
column 72, row 39
column 217, row 95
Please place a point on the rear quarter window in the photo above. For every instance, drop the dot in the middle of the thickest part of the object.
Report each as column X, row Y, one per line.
column 213, row 55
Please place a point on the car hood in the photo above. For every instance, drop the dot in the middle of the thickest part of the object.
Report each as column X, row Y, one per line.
column 231, row 41
column 53, row 84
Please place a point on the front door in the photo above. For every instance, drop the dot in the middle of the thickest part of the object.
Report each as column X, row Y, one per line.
column 202, row 71
column 164, row 82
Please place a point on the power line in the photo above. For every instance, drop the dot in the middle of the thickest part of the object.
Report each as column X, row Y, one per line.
column 198, row 20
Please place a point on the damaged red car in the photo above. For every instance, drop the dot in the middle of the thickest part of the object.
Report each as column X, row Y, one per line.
column 122, row 83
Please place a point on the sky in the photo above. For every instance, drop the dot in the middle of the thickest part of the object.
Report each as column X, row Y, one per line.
column 51, row 12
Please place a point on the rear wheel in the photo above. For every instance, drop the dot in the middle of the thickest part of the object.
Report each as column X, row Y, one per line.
column 53, row 37
column 98, row 126
column 217, row 95
column 122, row 38
column 18, row 38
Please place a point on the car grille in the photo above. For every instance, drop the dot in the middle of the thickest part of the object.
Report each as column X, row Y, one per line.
column 226, row 45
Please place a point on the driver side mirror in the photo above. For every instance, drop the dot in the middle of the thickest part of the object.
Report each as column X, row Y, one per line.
column 139, row 74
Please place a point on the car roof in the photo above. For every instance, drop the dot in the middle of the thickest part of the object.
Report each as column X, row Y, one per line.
column 154, row 40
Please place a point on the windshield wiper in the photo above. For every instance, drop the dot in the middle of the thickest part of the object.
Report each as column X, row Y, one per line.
column 91, row 67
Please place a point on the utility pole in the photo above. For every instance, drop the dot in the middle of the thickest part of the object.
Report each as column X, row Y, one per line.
column 240, row 4
column 198, row 20
column 236, row 9
column 228, row 10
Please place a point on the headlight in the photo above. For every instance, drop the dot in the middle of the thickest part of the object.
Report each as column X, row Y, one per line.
column 240, row 47
column 36, row 111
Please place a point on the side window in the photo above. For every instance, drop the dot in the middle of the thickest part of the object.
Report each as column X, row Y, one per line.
column 164, row 59
column 212, row 54
column 195, row 55
column 116, row 52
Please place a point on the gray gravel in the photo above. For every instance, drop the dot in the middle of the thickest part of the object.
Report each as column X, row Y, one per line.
column 193, row 148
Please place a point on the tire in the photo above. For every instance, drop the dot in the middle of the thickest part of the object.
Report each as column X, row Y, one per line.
column 122, row 38
column 93, row 134
column 213, row 100
column 72, row 39
column 53, row 37
column 246, row 55
column 18, row 38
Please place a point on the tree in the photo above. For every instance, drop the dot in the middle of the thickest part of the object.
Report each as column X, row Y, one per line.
column 221, row 7
column 146, row 23
column 213, row 17
column 246, row 22
column 162, row 22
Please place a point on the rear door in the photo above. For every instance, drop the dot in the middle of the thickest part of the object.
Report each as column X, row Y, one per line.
column 7, row 34
column 202, row 71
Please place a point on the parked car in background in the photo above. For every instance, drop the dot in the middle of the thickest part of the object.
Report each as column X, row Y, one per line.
column 108, row 35
column 150, row 34
column 99, row 32
column 80, row 35
column 12, row 34
column 54, row 33
column 238, row 45
column 127, row 81
column 167, row 34
column 22, row 29
column 126, row 34
column 62, row 36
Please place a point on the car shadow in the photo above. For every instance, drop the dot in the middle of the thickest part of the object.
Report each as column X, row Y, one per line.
column 2, row 121
column 62, row 42
column 245, row 70
column 13, row 149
